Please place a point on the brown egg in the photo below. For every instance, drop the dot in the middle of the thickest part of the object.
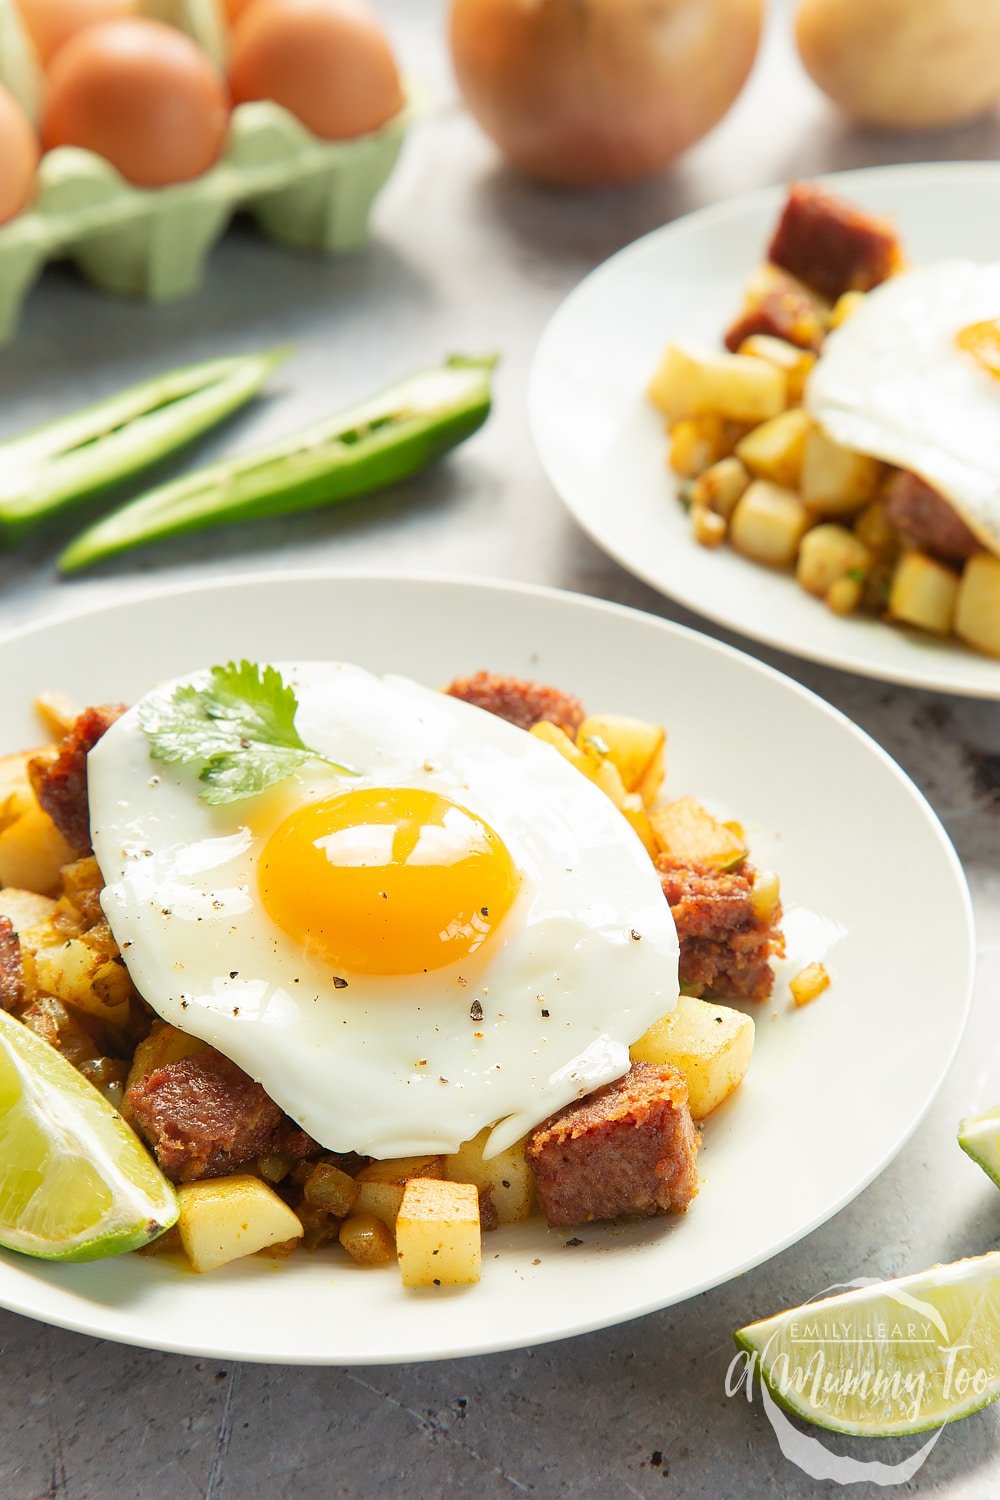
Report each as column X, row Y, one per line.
column 143, row 96
column 49, row 23
column 18, row 157
column 327, row 61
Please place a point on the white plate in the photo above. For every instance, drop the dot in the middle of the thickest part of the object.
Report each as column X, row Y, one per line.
column 834, row 1090
column 603, row 444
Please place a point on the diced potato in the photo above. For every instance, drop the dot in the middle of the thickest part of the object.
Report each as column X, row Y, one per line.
column 331, row 1189
column 835, row 480
column 696, row 443
column 768, row 524
column 844, row 595
column 438, row 1240
column 507, row 1174
column 977, row 608
column 719, row 488
column 603, row 771
column 560, row 740
column 765, row 894
column 689, row 383
column 228, row 1217
column 827, row 553
column 710, row 1044
column 25, row 909
column 795, row 362
column 32, row 850
column 381, row 1184
column 708, row 526
column 164, row 1044
column 808, row 983
column 69, row 969
column 367, row 1240
column 874, row 528
column 688, row 831
column 634, row 746
column 846, row 303
column 57, row 712
column 774, row 450
column 923, row 592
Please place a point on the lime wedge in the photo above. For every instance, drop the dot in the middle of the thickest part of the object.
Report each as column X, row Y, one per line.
column 76, row 1183
column 889, row 1358
column 979, row 1135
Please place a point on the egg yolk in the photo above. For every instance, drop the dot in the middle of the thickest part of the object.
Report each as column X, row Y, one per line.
column 387, row 880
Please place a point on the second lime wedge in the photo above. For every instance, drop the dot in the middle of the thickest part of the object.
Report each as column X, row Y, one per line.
column 979, row 1135
column 76, row 1183
column 891, row 1358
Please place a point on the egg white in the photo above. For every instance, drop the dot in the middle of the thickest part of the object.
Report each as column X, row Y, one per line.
column 585, row 961
column 891, row 382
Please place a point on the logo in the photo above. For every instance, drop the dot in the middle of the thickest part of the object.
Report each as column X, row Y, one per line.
column 888, row 1373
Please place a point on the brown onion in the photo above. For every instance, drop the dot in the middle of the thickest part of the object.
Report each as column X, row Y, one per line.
column 586, row 92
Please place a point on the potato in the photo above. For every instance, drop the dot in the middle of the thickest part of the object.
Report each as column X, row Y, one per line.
column 719, row 488
column 228, row 1217
column 710, row 1044
column 768, row 524
column 698, row 442
column 923, row 592
column 688, row 831
column 367, row 1240
column 69, row 969
column 874, row 528
column 32, row 850
column 633, row 745
column 507, row 1174
column 438, row 1240
column 688, row 383
column 774, row 450
column 808, row 983
column 828, row 553
column 977, row 607
column 903, row 64
column 795, row 362
column 57, row 712
column 25, row 909
column 602, row 771
column 164, row 1044
column 835, row 480
column 381, row 1184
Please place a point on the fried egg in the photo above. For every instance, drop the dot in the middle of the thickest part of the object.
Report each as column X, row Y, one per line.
column 900, row 381
column 464, row 933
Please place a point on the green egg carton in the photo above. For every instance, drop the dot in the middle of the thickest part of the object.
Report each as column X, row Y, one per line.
column 303, row 192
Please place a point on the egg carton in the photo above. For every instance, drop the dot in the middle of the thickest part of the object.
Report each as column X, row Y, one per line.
column 303, row 192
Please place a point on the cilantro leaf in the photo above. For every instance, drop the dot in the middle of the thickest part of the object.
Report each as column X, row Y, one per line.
column 239, row 728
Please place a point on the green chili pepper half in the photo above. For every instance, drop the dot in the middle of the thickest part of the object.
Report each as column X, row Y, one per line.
column 372, row 445
column 68, row 460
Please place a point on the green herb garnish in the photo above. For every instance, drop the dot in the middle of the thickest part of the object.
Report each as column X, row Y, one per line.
column 239, row 728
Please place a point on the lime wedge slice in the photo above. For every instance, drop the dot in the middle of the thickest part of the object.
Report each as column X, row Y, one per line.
column 890, row 1358
column 76, row 1183
column 979, row 1135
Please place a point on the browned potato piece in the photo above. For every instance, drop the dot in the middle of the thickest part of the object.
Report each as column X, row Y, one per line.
column 381, row 1184
column 689, row 383
column 438, row 1240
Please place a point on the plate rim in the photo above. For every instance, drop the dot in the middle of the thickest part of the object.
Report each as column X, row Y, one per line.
column 91, row 1325
column 711, row 215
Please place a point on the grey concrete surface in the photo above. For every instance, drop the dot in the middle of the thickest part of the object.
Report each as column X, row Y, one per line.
column 466, row 256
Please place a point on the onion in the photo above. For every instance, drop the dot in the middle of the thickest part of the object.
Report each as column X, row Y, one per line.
column 587, row 92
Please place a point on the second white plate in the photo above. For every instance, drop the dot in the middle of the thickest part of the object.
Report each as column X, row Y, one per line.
column 603, row 444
